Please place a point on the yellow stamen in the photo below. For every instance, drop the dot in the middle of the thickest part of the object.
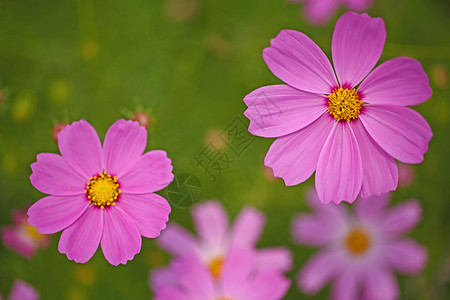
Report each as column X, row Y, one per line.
column 102, row 190
column 344, row 104
column 357, row 241
column 215, row 266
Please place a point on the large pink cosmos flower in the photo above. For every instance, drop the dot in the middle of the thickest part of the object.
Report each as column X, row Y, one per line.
column 349, row 127
column 360, row 248
column 216, row 238
column 101, row 196
column 22, row 291
column 318, row 12
column 22, row 237
column 241, row 279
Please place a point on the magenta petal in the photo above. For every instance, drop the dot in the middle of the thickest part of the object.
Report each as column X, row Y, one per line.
column 14, row 238
column 80, row 240
column 170, row 293
column 247, row 227
column 54, row 213
column 297, row 60
column 80, row 146
column 268, row 286
column 294, row 157
column 52, row 175
column 339, row 169
column 346, row 286
column 380, row 172
column 357, row 44
column 149, row 173
column 402, row 217
column 275, row 258
column 399, row 81
column 124, row 142
column 177, row 241
column 313, row 230
column 121, row 239
column 380, row 285
column 237, row 268
column 211, row 222
column 406, row 256
column 194, row 278
column 318, row 12
column 372, row 208
column 150, row 212
column 23, row 291
column 318, row 271
column 402, row 132
column 162, row 277
column 277, row 110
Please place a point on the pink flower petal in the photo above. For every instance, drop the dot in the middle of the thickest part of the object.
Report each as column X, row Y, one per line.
column 294, row 157
column 268, row 286
column 121, row 239
column 211, row 222
column 177, row 241
column 275, row 258
column 297, row 60
column 402, row 132
column 237, row 268
column 318, row 271
column 402, row 217
column 406, row 256
column 80, row 240
column 150, row 212
column 55, row 213
column 372, row 208
column 162, row 277
column 52, row 175
column 170, row 293
column 318, row 12
column 80, row 146
column 23, row 291
column 339, row 169
column 380, row 285
column 14, row 238
column 380, row 173
column 194, row 278
column 357, row 44
column 346, row 286
column 124, row 142
column 247, row 227
column 277, row 110
column 399, row 81
column 315, row 230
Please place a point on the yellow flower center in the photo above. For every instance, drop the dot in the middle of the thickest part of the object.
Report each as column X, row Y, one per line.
column 215, row 266
column 344, row 104
column 357, row 241
column 102, row 190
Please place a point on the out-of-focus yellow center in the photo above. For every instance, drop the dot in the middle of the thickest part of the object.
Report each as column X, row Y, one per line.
column 357, row 241
column 215, row 266
column 102, row 190
column 344, row 104
column 33, row 233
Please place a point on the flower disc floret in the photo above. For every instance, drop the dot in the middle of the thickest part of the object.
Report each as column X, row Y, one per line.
column 344, row 104
column 103, row 190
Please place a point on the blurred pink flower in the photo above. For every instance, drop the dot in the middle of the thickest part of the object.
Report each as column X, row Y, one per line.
column 22, row 291
column 349, row 128
column 405, row 175
column 189, row 279
column 56, row 129
column 22, row 237
column 216, row 237
column 361, row 249
column 101, row 196
column 319, row 12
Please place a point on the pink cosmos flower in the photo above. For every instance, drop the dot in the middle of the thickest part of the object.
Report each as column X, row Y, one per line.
column 360, row 249
column 22, row 237
column 318, row 12
column 350, row 127
column 22, row 291
column 216, row 237
column 241, row 279
column 101, row 195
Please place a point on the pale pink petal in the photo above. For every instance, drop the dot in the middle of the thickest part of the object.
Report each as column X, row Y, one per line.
column 402, row 132
column 177, row 241
column 80, row 240
column 54, row 213
column 380, row 285
column 380, row 172
column 406, row 256
column 247, row 227
column 399, row 81
column 372, row 208
column 357, row 44
column 339, row 168
column 318, row 271
column 297, row 60
column 23, row 291
column 318, row 12
column 346, row 286
column 275, row 258
column 294, row 157
column 277, row 110
column 237, row 268
column 124, row 142
column 211, row 222
column 268, row 286
column 312, row 230
column 162, row 277
column 80, row 146
column 149, row 173
column 150, row 212
column 52, row 175
column 13, row 238
column 402, row 217
column 121, row 239
column 171, row 293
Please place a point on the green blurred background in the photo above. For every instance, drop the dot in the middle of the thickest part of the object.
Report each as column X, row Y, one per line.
column 188, row 64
